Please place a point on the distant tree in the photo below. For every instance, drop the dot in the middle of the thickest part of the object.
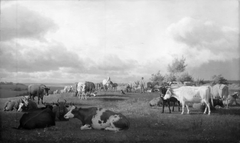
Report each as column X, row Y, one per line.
column 219, row 79
column 184, row 76
column 177, row 66
column 157, row 78
column 199, row 82
column 169, row 77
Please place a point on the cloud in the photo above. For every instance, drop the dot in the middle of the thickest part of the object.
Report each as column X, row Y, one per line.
column 40, row 58
column 228, row 69
column 19, row 22
column 206, row 36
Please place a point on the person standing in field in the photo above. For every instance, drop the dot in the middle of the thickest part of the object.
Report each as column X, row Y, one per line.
column 142, row 84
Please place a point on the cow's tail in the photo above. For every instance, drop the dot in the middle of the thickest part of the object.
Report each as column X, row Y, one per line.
column 211, row 96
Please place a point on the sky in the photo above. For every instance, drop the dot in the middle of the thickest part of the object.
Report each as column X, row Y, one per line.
column 89, row 40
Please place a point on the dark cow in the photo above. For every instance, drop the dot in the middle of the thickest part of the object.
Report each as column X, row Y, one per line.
column 37, row 119
column 60, row 110
column 113, row 86
column 98, row 118
column 38, row 90
column 162, row 91
column 168, row 102
column 31, row 106
column 15, row 104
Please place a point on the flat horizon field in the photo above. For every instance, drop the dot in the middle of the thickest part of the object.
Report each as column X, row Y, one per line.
column 146, row 124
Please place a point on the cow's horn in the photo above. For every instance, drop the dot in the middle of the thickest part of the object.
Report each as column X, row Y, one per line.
column 65, row 101
column 58, row 101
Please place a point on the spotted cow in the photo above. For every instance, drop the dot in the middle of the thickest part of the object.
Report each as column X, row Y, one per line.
column 98, row 118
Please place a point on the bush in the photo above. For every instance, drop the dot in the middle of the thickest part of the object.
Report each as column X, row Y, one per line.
column 219, row 79
column 182, row 77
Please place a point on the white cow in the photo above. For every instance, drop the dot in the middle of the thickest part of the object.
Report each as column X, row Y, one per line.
column 190, row 94
column 68, row 89
column 106, row 83
column 219, row 91
column 79, row 90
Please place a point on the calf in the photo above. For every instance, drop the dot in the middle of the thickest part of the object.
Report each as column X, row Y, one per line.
column 98, row 118
column 169, row 101
column 37, row 119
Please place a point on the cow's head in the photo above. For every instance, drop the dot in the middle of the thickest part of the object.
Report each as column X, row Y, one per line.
column 168, row 94
column 70, row 113
column 61, row 109
column 46, row 89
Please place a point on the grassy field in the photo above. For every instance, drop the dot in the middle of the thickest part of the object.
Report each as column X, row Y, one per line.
column 146, row 124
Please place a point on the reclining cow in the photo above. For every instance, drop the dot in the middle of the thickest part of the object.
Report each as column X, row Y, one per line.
column 37, row 119
column 15, row 104
column 98, row 118
column 60, row 109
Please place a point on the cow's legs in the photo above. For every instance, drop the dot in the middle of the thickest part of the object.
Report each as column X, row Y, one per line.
column 183, row 104
column 85, row 127
column 168, row 102
column 112, row 129
column 207, row 108
column 188, row 111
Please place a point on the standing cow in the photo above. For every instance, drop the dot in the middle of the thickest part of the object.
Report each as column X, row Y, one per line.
column 190, row 94
column 106, row 83
column 38, row 90
column 84, row 88
column 219, row 91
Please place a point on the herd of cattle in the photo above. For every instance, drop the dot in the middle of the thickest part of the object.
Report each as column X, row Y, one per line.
column 100, row 118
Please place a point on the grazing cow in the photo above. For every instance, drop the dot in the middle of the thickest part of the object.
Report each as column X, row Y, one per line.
column 219, row 91
column 191, row 94
column 231, row 99
column 38, row 90
column 98, row 118
column 15, row 104
column 68, row 89
column 37, row 119
column 84, row 88
column 60, row 110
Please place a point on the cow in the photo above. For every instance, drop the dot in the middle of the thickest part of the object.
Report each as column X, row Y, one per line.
column 231, row 99
column 38, row 90
column 129, row 87
column 31, row 106
column 172, row 100
column 113, row 86
column 219, row 91
column 84, row 88
column 37, row 119
column 191, row 94
column 15, row 104
column 106, row 83
column 60, row 110
column 68, row 89
column 56, row 91
column 98, row 118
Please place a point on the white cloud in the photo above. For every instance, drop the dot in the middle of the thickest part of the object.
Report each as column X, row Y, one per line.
column 19, row 22
column 205, row 40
